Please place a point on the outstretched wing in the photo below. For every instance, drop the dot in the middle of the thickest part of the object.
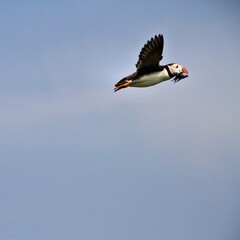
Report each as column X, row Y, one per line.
column 151, row 53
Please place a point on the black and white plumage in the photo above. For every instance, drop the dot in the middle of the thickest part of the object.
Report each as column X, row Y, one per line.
column 149, row 72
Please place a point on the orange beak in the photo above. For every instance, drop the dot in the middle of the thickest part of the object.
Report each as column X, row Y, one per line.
column 185, row 70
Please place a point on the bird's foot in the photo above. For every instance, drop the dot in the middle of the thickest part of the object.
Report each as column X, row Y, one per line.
column 124, row 85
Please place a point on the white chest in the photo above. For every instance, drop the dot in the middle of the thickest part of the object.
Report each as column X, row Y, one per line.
column 151, row 79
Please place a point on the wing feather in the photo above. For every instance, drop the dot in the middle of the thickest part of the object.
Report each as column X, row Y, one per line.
column 151, row 53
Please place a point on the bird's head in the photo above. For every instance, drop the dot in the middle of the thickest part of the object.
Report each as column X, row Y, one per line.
column 178, row 71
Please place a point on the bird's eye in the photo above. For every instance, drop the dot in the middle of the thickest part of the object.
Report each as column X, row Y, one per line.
column 177, row 66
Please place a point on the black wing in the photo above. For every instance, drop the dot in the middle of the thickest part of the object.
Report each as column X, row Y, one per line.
column 151, row 53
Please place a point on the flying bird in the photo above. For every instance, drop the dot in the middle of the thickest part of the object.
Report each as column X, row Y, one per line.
column 149, row 72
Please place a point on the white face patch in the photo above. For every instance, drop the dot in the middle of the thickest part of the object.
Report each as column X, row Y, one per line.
column 175, row 68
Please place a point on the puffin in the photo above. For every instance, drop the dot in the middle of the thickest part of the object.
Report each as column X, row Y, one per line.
column 149, row 71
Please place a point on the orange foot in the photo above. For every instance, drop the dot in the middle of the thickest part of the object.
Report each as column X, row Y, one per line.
column 124, row 85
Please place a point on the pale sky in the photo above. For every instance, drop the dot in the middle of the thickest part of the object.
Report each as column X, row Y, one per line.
column 79, row 161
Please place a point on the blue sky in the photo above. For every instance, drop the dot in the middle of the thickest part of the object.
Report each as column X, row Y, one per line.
column 79, row 161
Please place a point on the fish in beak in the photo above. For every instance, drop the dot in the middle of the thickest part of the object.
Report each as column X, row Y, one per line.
column 181, row 75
